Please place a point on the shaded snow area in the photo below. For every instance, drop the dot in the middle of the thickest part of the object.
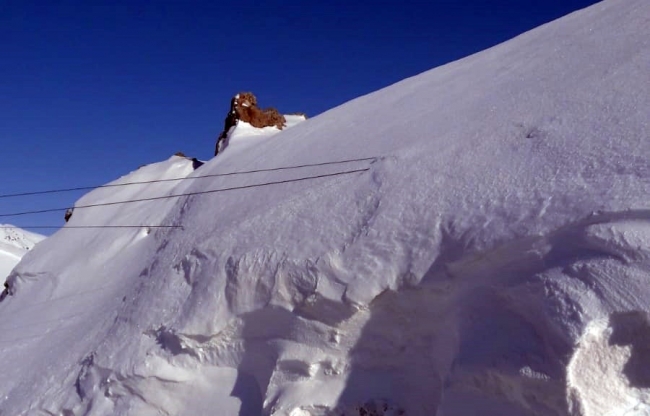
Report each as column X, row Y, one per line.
column 14, row 244
column 493, row 258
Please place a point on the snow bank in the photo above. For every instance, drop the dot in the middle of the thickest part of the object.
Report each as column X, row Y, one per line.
column 243, row 135
column 497, row 240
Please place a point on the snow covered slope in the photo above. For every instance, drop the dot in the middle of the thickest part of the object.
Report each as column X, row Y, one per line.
column 242, row 136
column 493, row 257
column 14, row 243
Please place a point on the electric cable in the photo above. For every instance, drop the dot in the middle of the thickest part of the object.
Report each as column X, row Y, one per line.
column 216, row 175
column 42, row 211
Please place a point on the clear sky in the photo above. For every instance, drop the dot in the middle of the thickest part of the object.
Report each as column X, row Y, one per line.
column 91, row 90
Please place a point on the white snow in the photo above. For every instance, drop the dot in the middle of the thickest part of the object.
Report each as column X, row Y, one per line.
column 596, row 372
column 14, row 244
column 243, row 135
column 493, row 259
column 293, row 120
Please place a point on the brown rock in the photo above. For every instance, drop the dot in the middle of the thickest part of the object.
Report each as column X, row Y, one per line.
column 243, row 106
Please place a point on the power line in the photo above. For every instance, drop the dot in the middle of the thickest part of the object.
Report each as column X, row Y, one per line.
column 216, row 175
column 15, row 214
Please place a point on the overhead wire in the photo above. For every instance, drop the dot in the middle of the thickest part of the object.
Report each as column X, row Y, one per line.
column 216, row 175
column 42, row 211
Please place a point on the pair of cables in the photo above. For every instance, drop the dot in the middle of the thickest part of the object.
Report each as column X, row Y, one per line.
column 269, row 183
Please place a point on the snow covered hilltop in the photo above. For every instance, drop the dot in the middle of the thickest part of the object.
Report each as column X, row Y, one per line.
column 487, row 252
column 244, row 113
column 14, row 244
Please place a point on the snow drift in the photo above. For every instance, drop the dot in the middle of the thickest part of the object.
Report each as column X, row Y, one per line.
column 491, row 256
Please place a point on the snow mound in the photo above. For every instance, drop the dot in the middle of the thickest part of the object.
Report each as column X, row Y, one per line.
column 243, row 136
column 466, row 258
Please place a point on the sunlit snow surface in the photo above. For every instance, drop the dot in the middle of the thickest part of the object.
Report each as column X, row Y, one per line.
column 493, row 260
column 14, row 243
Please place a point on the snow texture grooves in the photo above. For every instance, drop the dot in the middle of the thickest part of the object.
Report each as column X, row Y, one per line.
column 526, row 372
column 502, row 241
column 439, row 357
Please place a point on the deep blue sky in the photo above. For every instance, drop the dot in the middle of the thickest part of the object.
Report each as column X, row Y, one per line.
column 90, row 90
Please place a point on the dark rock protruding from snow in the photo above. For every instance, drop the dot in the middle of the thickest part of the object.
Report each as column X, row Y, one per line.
column 243, row 106
column 196, row 163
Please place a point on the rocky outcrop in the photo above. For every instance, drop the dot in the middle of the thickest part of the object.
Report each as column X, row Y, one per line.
column 243, row 106
column 196, row 163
